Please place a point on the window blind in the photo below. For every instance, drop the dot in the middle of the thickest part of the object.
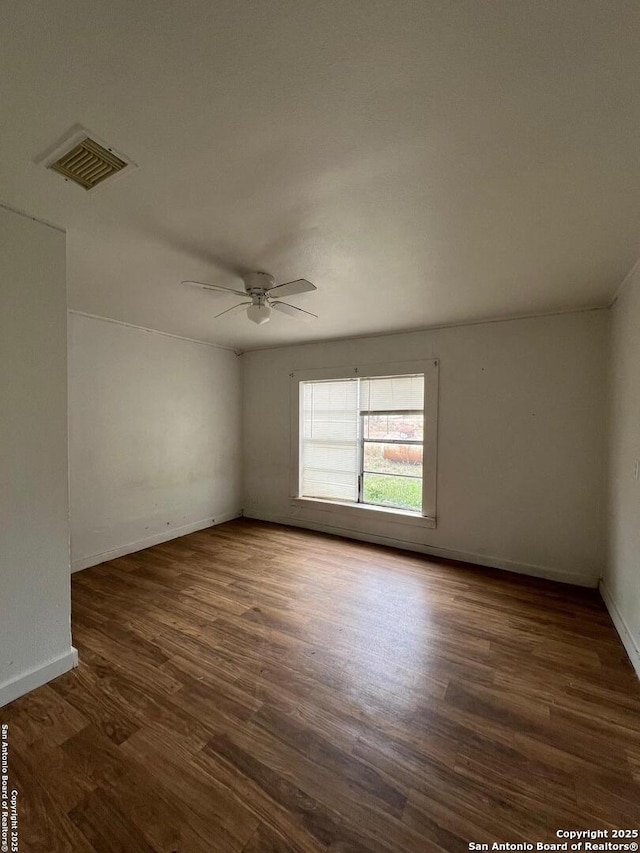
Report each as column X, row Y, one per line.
column 392, row 394
column 329, row 464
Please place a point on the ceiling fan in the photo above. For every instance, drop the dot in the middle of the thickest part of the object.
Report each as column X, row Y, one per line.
column 264, row 295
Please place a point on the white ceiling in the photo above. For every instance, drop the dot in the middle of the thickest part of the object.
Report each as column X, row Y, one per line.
column 422, row 161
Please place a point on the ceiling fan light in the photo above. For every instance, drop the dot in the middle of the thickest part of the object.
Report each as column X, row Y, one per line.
column 259, row 314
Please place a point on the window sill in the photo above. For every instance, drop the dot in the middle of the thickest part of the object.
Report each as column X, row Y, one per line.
column 381, row 513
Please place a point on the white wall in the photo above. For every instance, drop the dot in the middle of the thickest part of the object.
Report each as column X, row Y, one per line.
column 621, row 588
column 154, row 437
column 35, row 634
column 521, row 459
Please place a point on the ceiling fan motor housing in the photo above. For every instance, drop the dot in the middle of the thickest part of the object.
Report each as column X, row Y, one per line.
column 256, row 283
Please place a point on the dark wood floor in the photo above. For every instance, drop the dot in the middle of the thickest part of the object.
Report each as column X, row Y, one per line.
column 258, row 688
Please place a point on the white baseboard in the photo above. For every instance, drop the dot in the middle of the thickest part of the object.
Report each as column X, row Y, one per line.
column 544, row 572
column 157, row 539
column 36, row 677
column 628, row 640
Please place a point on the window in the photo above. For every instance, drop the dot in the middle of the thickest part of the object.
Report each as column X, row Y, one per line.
column 368, row 440
column 392, row 432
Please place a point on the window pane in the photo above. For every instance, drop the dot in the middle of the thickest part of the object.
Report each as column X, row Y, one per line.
column 402, row 459
column 387, row 490
column 399, row 427
column 392, row 392
column 329, row 484
column 329, row 410
column 329, row 447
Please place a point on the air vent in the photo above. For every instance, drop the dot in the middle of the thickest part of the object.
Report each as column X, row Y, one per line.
column 88, row 164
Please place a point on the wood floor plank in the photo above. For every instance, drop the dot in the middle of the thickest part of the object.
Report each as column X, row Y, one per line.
column 147, row 705
column 47, row 762
column 264, row 840
column 145, row 799
column 207, row 801
column 90, row 693
column 105, row 827
column 43, row 824
column 257, row 688
column 121, row 642
column 269, row 792
column 307, row 770
column 45, row 714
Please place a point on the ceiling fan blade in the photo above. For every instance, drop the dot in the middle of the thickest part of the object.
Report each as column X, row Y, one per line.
column 206, row 286
column 292, row 311
column 235, row 309
column 291, row 288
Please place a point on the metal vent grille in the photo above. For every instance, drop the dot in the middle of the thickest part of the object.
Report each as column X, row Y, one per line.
column 88, row 164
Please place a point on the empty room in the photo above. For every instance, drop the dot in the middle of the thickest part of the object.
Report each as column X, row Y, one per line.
column 320, row 426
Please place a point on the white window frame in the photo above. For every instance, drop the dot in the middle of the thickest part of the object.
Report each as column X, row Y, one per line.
column 430, row 368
